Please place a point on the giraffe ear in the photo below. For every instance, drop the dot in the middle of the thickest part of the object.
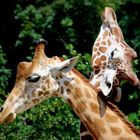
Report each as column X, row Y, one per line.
column 102, row 105
column 67, row 65
column 106, row 82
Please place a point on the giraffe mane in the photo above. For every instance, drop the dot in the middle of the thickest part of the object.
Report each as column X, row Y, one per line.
column 123, row 118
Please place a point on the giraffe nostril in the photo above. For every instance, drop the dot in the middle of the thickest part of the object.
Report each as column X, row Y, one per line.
column 1, row 108
column 11, row 114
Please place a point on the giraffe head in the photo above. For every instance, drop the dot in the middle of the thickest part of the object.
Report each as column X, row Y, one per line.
column 35, row 82
column 112, row 56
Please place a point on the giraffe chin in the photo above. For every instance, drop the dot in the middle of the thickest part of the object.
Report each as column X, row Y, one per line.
column 10, row 118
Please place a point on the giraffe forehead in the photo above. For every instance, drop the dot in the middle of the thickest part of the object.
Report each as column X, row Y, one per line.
column 26, row 69
column 23, row 67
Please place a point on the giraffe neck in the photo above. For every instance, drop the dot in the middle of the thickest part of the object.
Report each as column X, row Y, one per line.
column 81, row 96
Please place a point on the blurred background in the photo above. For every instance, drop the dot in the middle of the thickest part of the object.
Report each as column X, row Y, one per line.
column 70, row 27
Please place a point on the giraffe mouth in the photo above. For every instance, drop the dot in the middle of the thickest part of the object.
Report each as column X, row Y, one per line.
column 10, row 118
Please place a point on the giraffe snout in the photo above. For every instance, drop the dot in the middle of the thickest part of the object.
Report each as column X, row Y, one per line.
column 5, row 120
column 11, row 117
column 6, row 115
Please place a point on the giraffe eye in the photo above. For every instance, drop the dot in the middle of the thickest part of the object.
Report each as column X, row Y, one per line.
column 112, row 54
column 34, row 78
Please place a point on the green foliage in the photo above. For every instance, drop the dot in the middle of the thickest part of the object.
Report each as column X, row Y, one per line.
column 134, row 118
column 4, row 72
column 71, row 28
column 53, row 119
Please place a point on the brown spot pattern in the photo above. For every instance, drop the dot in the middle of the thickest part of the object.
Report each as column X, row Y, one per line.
column 110, row 118
column 60, row 76
column 96, row 71
column 46, row 93
column 96, row 67
column 34, row 94
column 68, row 90
column 94, row 49
column 66, row 83
column 100, row 125
column 103, row 57
column 40, row 93
column 77, row 90
column 88, row 94
column 82, row 106
column 43, row 88
column 103, row 49
column 70, row 102
column 94, row 108
column 109, row 42
column 77, row 93
column 116, row 32
column 26, row 102
column 47, row 83
column 43, row 78
column 115, row 131
column 104, row 63
column 35, row 101
column 62, row 90
column 94, row 56
column 28, row 96
column 103, row 43
column 98, row 53
column 97, row 44
column 98, row 61
column 105, row 34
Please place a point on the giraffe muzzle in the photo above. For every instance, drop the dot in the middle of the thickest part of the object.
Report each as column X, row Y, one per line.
column 5, row 119
column 11, row 117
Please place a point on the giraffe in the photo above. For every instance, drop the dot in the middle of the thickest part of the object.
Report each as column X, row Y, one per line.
column 111, row 60
column 38, row 80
